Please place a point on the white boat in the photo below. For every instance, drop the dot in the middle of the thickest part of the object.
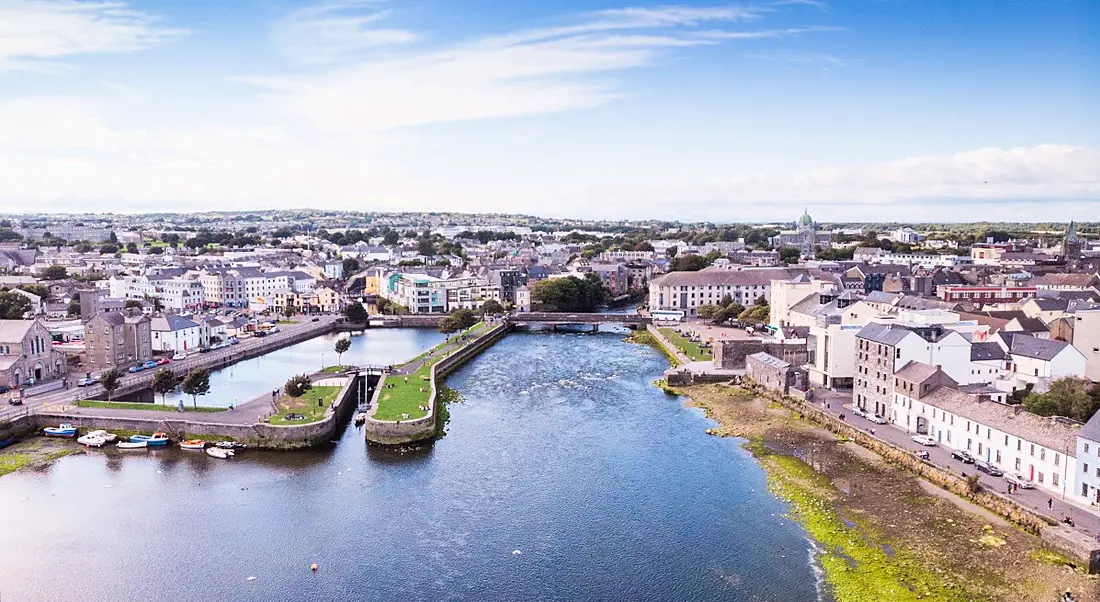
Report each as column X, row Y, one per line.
column 91, row 440
column 133, row 444
column 108, row 437
column 217, row 452
column 193, row 444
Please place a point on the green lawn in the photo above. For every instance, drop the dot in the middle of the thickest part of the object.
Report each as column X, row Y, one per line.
column 336, row 369
column 285, row 322
column 122, row 405
column 407, row 397
column 306, row 405
column 685, row 345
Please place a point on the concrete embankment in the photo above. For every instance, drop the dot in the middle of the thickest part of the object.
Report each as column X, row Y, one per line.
column 258, row 435
column 404, row 432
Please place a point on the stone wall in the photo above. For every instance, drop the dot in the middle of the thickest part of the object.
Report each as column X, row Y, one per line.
column 258, row 435
column 1083, row 549
column 731, row 354
column 404, row 432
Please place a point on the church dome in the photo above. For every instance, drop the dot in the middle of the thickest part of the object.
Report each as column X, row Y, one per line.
column 805, row 220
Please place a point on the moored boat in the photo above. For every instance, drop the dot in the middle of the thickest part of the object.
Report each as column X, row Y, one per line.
column 63, row 430
column 132, row 445
column 360, row 418
column 193, row 444
column 108, row 437
column 229, row 445
column 91, row 440
column 218, row 452
column 157, row 439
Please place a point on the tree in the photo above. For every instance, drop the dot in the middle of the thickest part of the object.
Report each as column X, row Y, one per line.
column 757, row 314
column 354, row 312
column 643, row 246
column 425, row 246
column 36, row 289
column 131, row 303
column 197, row 382
column 73, row 309
column 672, row 251
column 110, row 380
column 688, row 263
column 1071, row 397
column 492, row 306
column 789, row 255
column 707, row 312
column 108, row 249
column 164, row 380
column 131, row 247
column 13, row 305
column 391, row 238
column 55, row 272
column 297, row 386
column 156, row 251
column 341, row 347
column 351, row 267
column 459, row 320
column 570, row 293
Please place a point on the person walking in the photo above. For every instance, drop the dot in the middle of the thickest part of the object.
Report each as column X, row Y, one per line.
column 1050, row 503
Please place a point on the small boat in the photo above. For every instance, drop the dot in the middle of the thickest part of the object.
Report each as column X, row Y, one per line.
column 157, row 439
column 108, row 437
column 132, row 445
column 229, row 445
column 360, row 418
column 193, row 444
column 220, row 453
column 63, row 430
column 91, row 440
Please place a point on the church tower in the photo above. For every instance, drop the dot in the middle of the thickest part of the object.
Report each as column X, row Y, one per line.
column 807, row 235
column 1071, row 245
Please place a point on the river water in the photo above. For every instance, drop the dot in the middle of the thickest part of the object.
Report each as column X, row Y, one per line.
column 565, row 475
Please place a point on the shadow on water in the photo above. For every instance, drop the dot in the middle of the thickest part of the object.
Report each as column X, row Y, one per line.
column 411, row 455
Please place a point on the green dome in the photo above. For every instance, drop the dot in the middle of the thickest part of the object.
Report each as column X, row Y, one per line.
column 805, row 220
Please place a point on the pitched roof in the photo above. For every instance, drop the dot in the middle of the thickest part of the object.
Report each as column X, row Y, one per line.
column 1058, row 435
column 718, row 277
column 1091, row 430
column 1058, row 279
column 881, row 297
column 917, row 372
column 1031, row 324
column 172, row 323
column 986, row 351
column 13, row 331
column 883, row 333
column 769, row 360
column 1029, row 346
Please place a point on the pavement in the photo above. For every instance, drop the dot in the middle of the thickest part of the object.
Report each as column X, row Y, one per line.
column 1084, row 519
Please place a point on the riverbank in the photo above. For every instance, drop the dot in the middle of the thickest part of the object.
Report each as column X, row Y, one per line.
column 883, row 534
column 35, row 452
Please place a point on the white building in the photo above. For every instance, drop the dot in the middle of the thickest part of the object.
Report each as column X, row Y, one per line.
column 176, row 333
column 1036, row 361
column 175, row 294
column 686, row 291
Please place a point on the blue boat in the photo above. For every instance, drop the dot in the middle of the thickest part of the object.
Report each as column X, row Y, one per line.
column 157, row 439
column 63, row 430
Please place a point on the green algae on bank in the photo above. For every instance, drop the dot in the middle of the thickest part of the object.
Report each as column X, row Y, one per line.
column 857, row 567
column 644, row 337
column 33, row 452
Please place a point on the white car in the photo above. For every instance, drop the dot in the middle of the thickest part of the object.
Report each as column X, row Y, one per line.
column 858, row 411
column 876, row 419
column 179, row 356
column 1019, row 480
column 924, row 440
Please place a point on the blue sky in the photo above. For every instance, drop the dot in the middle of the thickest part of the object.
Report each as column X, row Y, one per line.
column 862, row 110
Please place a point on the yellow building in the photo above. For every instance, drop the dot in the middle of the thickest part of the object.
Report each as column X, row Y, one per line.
column 326, row 299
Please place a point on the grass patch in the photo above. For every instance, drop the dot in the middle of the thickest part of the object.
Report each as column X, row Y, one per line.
column 686, row 346
column 306, row 405
column 856, row 567
column 285, row 322
column 337, row 369
column 123, row 405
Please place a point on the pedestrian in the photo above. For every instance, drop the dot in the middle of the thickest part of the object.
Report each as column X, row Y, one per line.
column 1050, row 503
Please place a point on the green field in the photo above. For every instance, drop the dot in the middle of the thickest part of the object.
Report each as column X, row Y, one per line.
column 122, row 405
column 306, row 405
column 685, row 345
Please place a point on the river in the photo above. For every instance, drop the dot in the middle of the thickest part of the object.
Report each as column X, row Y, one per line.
column 565, row 475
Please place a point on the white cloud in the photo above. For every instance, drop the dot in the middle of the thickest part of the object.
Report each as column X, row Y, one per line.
column 34, row 33
column 337, row 31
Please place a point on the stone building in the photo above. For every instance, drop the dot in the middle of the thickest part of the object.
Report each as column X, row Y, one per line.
column 732, row 354
column 774, row 373
column 116, row 339
column 804, row 237
column 27, row 356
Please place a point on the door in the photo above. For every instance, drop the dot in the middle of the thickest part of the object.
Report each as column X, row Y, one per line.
column 1031, row 472
column 922, row 425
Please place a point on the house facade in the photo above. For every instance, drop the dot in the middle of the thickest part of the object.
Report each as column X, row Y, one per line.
column 27, row 356
column 176, row 333
column 117, row 339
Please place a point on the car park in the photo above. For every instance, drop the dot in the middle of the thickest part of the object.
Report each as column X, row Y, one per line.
column 1019, row 480
column 924, row 440
column 963, row 455
column 876, row 419
column 988, row 468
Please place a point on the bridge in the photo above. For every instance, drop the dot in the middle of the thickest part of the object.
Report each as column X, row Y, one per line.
column 563, row 318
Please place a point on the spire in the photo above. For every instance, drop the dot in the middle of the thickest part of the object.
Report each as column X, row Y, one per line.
column 1071, row 232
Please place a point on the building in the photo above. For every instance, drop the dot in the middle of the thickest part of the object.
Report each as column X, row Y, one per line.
column 117, row 339
column 27, row 356
column 1088, row 462
column 327, row 300
column 1085, row 337
column 1036, row 361
column 976, row 419
column 775, row 374
column 686, row 291
column 175, row 333
column 804, row 237
column 985, row 294
column 523, row 299
column 1071, row 244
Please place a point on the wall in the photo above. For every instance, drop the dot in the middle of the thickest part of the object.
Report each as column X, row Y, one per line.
column 731, row 354
column 385, row 432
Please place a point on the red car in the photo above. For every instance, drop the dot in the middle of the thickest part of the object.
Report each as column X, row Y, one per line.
column 162, row 361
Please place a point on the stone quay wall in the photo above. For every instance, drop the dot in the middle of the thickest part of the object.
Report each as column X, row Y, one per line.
column 1063, row 539
column 404, row 432
column 259, row 435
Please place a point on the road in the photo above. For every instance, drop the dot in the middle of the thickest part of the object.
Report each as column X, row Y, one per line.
column 1084, row 520
column 212, row 359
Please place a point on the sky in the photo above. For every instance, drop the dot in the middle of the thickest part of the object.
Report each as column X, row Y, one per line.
column 859, row 110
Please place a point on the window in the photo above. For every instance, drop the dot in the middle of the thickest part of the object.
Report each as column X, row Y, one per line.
column 968, row 442
column 1032, row 452
column 1057, row 459
column 1085, row 468
column 998, row 456
column 1017, row 464
column 1019, row 442
column 1040, row 477
column 1042, row 453
column 1054, row 479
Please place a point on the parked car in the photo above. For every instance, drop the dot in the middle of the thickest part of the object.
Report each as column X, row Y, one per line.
column 136, row 368
column 858, row 411
column 179, row 355
column 149, row 365
column 1019, row 480
column 924, row 440
column 204, row 349
column 988, row 468
column 963, row 455
column 15, row 401
column 315, row 319
column 876, row 419
column 4, row 389
column 86, row 382
column 234, row 341
column 162, row 361
column 260, row 333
